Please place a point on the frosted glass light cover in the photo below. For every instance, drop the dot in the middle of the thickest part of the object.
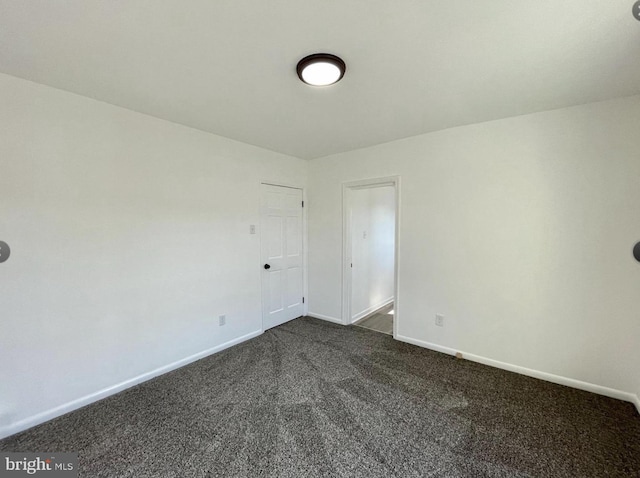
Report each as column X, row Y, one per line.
column 321, row 74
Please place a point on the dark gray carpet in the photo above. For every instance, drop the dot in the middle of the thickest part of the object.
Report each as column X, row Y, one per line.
column 311, row 398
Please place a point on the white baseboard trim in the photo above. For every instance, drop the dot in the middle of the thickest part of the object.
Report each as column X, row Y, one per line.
column 569, row 382
column 325, row 317
column 371, row 309
column 45, row 416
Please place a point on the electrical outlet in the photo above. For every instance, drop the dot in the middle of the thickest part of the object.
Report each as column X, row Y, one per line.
column 440, row 320
column 222, row 320
column 252, row 229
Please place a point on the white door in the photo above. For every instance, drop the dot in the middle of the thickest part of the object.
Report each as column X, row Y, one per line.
column 281, row 244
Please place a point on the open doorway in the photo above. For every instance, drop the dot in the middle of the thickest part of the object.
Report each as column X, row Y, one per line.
column 370, row 254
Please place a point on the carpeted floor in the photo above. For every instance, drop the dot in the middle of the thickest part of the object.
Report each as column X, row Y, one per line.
column 310, row 399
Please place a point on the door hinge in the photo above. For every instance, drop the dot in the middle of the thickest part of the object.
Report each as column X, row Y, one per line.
column 302, row 203
column 303, row 300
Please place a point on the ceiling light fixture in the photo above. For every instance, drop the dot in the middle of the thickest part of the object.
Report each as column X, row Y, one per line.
column 321, row 69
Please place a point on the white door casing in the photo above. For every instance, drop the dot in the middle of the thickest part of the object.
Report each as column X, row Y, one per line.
column 281, row 250
column 347, row 259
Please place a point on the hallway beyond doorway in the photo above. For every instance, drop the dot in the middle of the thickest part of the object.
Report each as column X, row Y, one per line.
column 380, row 320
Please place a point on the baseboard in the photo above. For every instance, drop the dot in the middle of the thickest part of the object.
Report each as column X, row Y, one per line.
column 42, row 417
column 569, row 382
column 325, row 317
column 370, row 310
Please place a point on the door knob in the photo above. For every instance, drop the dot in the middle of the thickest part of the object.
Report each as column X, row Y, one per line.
column 267, row 266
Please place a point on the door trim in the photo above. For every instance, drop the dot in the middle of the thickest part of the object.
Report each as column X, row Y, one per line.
column 305, row 248
column 347, row 188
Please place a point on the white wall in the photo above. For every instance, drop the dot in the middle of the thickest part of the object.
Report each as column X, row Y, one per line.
column 372, row 241
column 519, row 231
column 129, row 236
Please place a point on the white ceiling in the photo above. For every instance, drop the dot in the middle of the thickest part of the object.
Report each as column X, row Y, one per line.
column 413, row 66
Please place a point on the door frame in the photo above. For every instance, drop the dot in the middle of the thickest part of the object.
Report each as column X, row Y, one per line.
column 347, row 189
column 305, row 249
